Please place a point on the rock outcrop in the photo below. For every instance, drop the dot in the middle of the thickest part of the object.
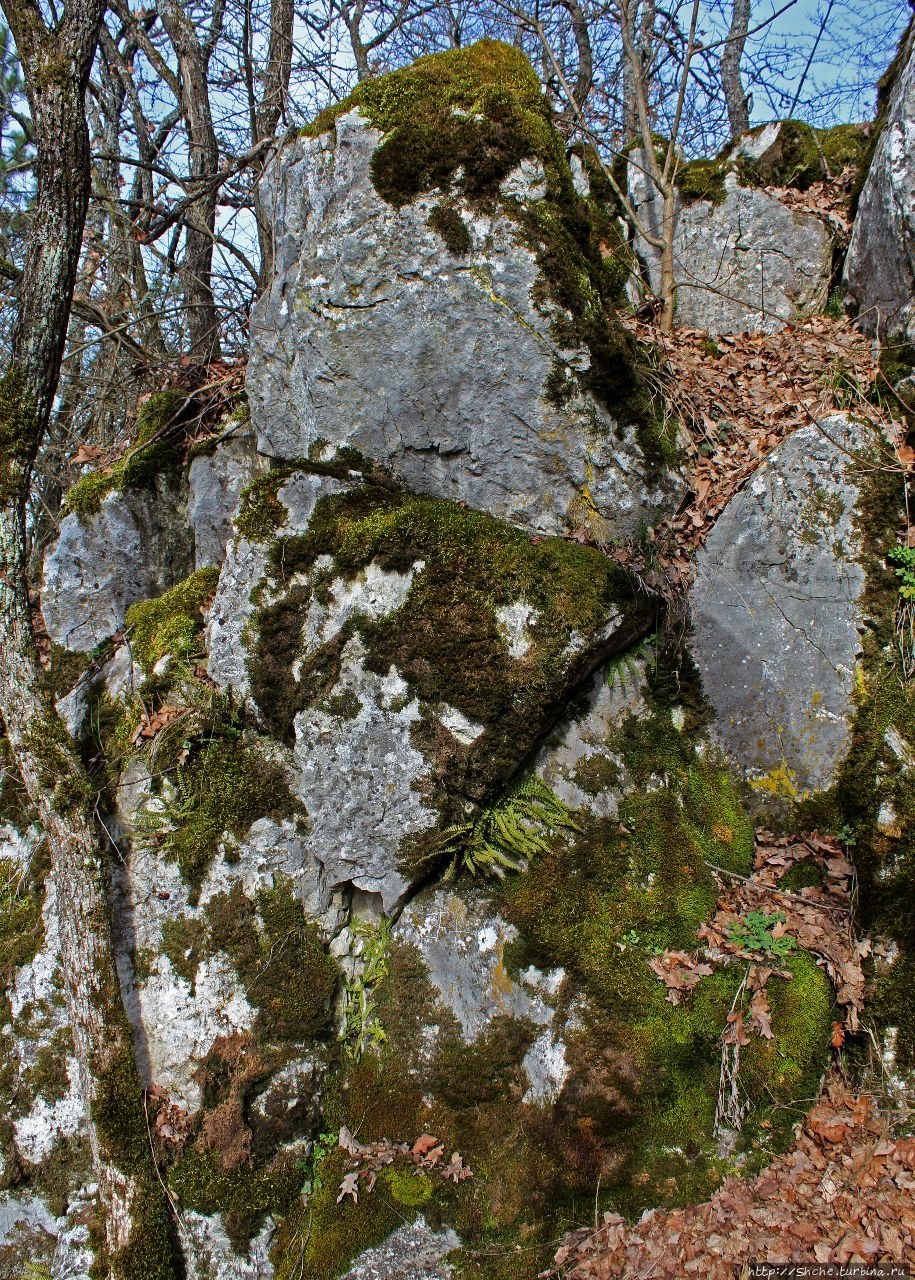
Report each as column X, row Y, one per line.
column 407, row 781
column 777, row 612
column 410, row 653
column 432, row 329
column 880, row 264
column 733, row 271
column 135, row 546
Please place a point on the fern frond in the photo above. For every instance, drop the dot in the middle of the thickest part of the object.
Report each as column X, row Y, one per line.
column 507, row 835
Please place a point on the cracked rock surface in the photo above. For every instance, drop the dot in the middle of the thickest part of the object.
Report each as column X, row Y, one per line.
column 776, row 610
column 748, row 264
column 374, row 335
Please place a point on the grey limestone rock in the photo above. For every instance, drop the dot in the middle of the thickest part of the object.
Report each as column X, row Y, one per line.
column 776, row 609
column 412, row 1252
column 215, row 482
column 880, row 264
column 462, row 941
column 137, row 546
column 373, row 335
column 579, row 761
column 747, row 264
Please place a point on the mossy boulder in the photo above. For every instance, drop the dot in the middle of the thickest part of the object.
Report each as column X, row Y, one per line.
column 444, row 302
column 135, row 545
column 411, row 652
column 743, row 260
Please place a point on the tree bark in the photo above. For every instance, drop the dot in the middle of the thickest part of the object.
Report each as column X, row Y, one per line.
column 137, row 1230
column 735, row 96
column 268, row 114
column 203, row 152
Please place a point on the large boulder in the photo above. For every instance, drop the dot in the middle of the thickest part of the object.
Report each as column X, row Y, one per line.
column 410, row 652
column 456, row 328
column 880, row 265
column 136, row 545
column 777, row 612
column 743, row 261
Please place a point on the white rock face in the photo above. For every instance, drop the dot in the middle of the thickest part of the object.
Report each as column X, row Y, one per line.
column 177, row 1023
column 243, row 569
column 215, row 482
column 880, row 264
column 209, row 1254
column 462, row 941
column 748, row 264
column 412, row 1252
column 586, row 738
column 373, row 335
column 357, row 779
column 776, row 612
column 138, row 545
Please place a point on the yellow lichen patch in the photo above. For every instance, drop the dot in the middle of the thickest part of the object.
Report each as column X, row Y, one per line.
column 778, row 781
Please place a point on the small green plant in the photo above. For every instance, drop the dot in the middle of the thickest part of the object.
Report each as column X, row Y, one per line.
column 324, row 1145
column 361, row 1027
column 625, row 666
column 754, row 933
column 36, row 1271
column 903, row 560
column 510, row 832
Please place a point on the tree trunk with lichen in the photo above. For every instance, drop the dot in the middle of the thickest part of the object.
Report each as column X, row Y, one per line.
column 136, row 1235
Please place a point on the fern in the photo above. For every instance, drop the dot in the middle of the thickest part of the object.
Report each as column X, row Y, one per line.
column 625, row 666
column 510, row 832
column 36, row 1271
column 361, row 1027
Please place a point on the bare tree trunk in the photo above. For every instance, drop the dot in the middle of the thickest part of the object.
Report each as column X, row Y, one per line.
column 734, row 94
column 137, row 1232
column 584, row 76
column 203, row 149
column 268, row 114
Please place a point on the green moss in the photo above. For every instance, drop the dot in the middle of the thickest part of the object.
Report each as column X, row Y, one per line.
column 802, row 155
column 172, row 623
column 244, row 1196
column 222, row 789
column 120, row 1121
column 478, row 109
column 160, row 434
column 65, row 670
column 469, row 1097
column 407, row 1188
column 445, row 639
column 184, row 943
column 279, row 957
column 790, row 1065
column 452, row 228
column 260, row 512
column 18, row 435
column 21, row 926
column 702, row 180
column 15, row 807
